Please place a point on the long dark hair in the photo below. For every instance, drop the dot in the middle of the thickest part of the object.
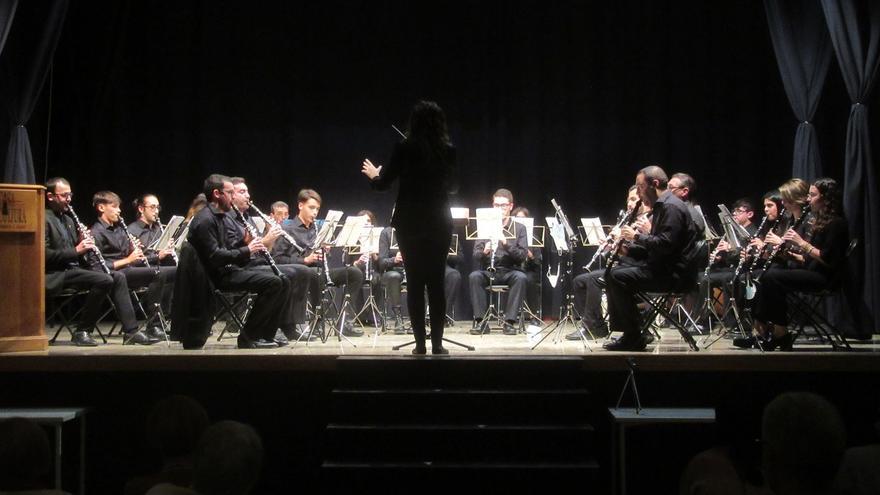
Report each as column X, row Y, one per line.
column 427, row 126
column 832, row 197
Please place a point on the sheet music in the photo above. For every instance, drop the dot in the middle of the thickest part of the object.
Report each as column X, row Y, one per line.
column 167, row 236
column 489, row 223
column 351, row 231
column 593, row 231
column 369, row 239
column 529, row 224
column 557, row 232
column 328, row 226
column 460, row 213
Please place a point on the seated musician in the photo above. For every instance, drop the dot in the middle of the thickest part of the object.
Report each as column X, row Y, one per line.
column 508, row 258
column 125, row 255
column 532, row 268
column 228, row 267
column 670, row 247
column 296, row 276
column 685, row 187
column 280, row 212
column 816, row 249
column 304, row 230
column 148, row 229
column 587, row 286
column 67, row 264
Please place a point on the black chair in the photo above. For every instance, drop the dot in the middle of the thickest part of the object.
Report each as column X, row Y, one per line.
column 806, row 309
column 62, row 310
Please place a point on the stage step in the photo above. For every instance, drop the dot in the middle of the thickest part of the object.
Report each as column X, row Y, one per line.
column 505, row 422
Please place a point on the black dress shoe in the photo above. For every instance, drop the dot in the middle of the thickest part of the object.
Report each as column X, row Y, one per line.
column 578, row 334
column 419, row 351
column 784, row 343
column 156, row 333
column 280, row 339
column 137, row 337
column 439, row 350
column 509, row 328
column 625, row 344
column 245, row 343
column 83, row 339
column 750, row 342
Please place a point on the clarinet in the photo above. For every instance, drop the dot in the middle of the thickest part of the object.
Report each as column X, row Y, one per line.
column 272, row 223
column 607, row 242
column 745, row 258
column 493, row 245
column 779, row 249
column 134, row 242
column 173, row 250
column 253, row 232
column 628, row 219
column 84, row 232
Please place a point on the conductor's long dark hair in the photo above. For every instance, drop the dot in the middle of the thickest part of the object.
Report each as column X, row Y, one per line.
column 427, row 127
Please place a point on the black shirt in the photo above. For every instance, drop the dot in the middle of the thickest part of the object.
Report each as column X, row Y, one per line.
column 832, row 241
column 61, row 240
column 113, row 242
column 207, row 234
column 671, row 243
column 147, row 235
column 510, row 255
column 284, row 252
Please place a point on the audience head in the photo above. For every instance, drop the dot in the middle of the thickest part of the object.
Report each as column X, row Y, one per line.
column 25, row 457
column 229, row 457
column 175, row 425
column 803, row 440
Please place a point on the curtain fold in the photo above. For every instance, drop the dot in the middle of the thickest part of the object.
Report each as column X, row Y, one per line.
column 7, row 14
column 22, row 87
column 849, row 22
column 803, row 54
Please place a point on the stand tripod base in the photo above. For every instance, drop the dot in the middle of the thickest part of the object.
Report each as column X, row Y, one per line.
column 449, row 341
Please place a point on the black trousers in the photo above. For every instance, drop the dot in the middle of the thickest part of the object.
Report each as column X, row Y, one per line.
column 98, row 284
column 588, row 300
column 138, row 277
column 391, row 287
column 451, row 287
column 425, row 259
column 770, row 305
column 272, row 294
column 516, row 280
column 533, row 290
column 168, row 274
column 622, row 283
column 350, row 277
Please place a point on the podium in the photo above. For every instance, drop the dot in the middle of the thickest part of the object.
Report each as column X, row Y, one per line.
column 23, row 265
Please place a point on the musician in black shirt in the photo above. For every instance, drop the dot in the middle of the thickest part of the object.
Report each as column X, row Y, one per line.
column 227, row 266
column 304, row 230
column 669, row 248
column 532, row 268
column 148, row 229
column 293, row 315
column 125, row 256
column 67, row 267
column 508, row 259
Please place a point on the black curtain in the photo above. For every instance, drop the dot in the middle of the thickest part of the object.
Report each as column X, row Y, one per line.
column 7, row 13
column 849, row 23
column 23, row 80
column 800, row 40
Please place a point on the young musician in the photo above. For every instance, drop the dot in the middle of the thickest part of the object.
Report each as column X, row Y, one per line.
column 508, row 257
column 227, row 266
column 305, row 232
column 67, row 251
column 817, row 252
column 148, row 229
column 532, row 268
column 668, row 246
column 125, row 255
column 296, row 276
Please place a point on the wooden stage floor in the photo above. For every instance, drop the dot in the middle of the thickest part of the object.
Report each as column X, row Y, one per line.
column 669, row 352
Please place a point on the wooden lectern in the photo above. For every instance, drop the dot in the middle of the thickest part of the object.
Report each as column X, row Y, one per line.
column 23, row 265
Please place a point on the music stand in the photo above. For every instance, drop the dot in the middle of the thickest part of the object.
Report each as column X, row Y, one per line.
column 567, row 311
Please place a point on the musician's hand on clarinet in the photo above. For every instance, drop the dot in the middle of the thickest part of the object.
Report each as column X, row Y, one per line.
column 256, row 245
column 313, row 258
column 758, row 244
column 773, row 239
column 628, row 233
column 398, row 258
column 270, row 237
column 85, row 245
column 165, row 253
column 794, row 237
column 723, row 246
column 135, row 255
column 487, row 248
column 643, row 225
column 370, row 170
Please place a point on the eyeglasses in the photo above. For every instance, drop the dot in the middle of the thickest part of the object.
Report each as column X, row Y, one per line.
column 66, row 195
column 153, row 207
column 501, row 205
column 740, row 211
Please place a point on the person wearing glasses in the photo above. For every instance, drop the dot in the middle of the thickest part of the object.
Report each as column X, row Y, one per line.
column 508, row 257
column 227, row 266
column 684, row 187
column 148, row 229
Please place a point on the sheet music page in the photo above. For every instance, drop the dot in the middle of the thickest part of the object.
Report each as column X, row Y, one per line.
column 529, row 224
column 460, row 213
column 168, row 234
column 351, row 231
column 489, row 223
column 557, row 232
column 327, row 227
column 593, row 230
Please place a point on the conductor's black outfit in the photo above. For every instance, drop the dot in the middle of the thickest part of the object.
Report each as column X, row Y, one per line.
column 424, row 226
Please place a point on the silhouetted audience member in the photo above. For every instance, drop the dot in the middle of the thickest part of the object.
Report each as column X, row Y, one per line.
column 174, row 427
column 25, row 458
column 859, row 472
column 803, row 442
column 228, row 459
